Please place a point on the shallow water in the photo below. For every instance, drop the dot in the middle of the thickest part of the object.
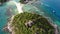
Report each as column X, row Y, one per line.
column 6, row 10
column 45, row 8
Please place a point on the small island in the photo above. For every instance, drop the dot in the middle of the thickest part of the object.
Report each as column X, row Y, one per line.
column 30, row 23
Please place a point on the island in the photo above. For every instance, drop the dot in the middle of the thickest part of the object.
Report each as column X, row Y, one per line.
column 30, row 23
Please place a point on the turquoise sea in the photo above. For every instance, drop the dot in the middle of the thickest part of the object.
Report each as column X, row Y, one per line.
column 54, row 9
column 6, row 10
column 48, row 8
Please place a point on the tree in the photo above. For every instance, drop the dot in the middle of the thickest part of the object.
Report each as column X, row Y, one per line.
column 22, row 1
column 25, row 1
column 2, row 1
column 39, row 24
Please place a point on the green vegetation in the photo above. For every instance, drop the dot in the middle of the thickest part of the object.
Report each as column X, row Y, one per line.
column 2, row 1
column 40, row 24
column 25, row 1
column 22, row 1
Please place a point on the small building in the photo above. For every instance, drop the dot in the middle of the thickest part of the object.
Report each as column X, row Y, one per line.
column 29, row 23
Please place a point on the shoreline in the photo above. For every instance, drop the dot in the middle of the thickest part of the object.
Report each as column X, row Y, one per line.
column 52, row 24
column 19, row 7
column 8, row 27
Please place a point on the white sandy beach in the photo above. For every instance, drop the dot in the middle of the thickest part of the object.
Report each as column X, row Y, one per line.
column 19, row 8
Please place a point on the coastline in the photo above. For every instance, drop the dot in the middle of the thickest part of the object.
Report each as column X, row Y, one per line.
column 19, row 7
column 54, row 25
column 8, row 27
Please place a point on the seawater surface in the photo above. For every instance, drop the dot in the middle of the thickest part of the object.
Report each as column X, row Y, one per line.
column 6, row 10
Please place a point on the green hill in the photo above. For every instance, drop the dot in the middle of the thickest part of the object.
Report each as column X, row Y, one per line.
column 29, row 23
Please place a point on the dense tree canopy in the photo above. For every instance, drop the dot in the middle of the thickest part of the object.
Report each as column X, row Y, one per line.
column 24, row 1
column 2, row 1
column 39, row 25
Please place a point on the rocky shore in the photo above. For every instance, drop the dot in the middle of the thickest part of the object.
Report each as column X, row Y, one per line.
column 8, row 27
column 54, row 25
